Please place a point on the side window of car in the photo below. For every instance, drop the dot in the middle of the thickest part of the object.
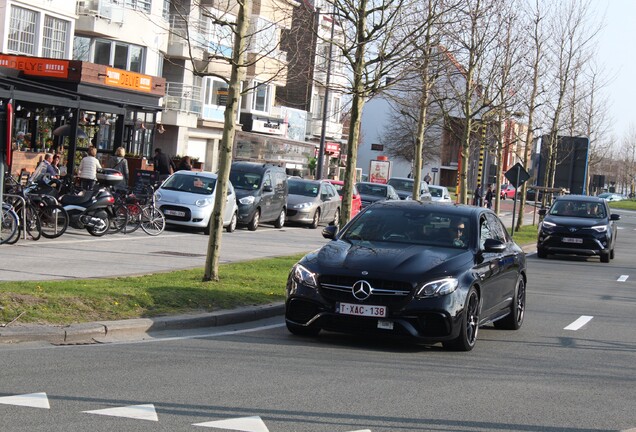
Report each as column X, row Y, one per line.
column 497, row 229
column 485, row 232
column 267, row 180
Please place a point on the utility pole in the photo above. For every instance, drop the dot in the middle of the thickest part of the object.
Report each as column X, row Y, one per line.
column 325, row 104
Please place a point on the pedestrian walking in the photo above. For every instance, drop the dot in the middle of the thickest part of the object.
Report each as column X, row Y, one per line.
column 163, row 164
column 488, row 197
column 477, row 196
column 427, row 178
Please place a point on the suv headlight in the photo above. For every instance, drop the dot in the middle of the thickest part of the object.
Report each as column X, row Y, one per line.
column 600, row 228
column 547, row 225
column 302, row 275
column 438, row 288
column 248, row 200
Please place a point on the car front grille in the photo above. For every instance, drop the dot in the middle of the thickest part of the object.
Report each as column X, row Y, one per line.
column 384, row 292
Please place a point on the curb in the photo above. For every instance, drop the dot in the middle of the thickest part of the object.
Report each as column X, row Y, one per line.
column 88, row 333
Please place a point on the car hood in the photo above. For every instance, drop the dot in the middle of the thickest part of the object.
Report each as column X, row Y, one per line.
column 411, row 262
column 575, row 221
column 184, row 198
column 299, row 199
column 242, row 193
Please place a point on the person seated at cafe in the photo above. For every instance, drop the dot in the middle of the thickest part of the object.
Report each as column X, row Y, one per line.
column 185, row 164
column 46, row 168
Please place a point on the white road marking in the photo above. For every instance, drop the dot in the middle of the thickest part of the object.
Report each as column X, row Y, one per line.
column 623, row 278
column 244, row 424
column 139, row 412
column 363, row 430
column 584, row 319
column 33, row 400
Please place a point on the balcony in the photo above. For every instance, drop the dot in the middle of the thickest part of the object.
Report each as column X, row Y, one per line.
column 183, row 32
column 183, row 98
column 100, row 17
column 333, row 129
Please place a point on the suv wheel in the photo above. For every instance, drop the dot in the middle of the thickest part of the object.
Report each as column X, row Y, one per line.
column 280, row 222
column 253, row 224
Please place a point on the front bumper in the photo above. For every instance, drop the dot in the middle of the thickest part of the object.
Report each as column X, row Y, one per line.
column 300, row 216
column 185, row 215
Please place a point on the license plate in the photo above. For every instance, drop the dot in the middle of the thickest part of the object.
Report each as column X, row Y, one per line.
column 361, row 310
column 572, row 240
column 174, row 213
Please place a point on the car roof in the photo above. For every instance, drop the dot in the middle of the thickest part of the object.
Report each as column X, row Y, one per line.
column 373, row 183
column 254, row 166
column 197, row 173
column 584, row 198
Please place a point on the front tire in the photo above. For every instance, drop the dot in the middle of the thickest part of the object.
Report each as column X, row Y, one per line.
column 316, row 220
column 469, row 325
column 232, row 226
column 253, row 224
column 336, row 219
column 514, row 320
column 605, row 257
column 541, row 253
column 99, row 231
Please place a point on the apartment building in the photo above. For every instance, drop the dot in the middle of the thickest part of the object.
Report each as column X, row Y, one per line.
column 173, row 44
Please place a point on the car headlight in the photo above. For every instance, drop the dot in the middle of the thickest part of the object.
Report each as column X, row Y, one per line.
column 302, row 275
column 301, row 205
column 547, row 225
column 247, row 200
column 438, row 288
column 158, row 196
column 203, row 202
column 600, row 228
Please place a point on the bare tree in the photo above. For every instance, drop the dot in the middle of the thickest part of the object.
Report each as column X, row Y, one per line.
column 377, row 38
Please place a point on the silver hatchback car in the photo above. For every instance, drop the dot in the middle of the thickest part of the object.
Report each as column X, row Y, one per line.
column 311, row 202
column 186, row 198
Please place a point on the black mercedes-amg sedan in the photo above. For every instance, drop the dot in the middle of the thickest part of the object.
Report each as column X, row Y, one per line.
column 429, row 272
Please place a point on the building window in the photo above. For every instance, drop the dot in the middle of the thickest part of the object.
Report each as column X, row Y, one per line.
column 22, row 28
column 261, row 97
column 82, row 48
column 335, row 109
column 165, row 12
column 216, row 92
column 110, row 53
column 142, row 5
column 377, row 147
column 54, row 37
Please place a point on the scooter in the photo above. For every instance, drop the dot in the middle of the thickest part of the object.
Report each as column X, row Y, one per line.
column 92, row 210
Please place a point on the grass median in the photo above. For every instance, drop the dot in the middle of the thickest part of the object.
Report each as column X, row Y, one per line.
column 72, row 301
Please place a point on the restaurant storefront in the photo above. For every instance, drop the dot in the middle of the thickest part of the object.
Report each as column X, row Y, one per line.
column 66, row 106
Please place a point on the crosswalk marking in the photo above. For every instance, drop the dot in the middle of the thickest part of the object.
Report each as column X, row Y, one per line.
column 583, row 319
column 139, row 412
column 33, row 400
column 243, row 424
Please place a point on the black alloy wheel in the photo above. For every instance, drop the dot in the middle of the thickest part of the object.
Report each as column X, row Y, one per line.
column 470, row 325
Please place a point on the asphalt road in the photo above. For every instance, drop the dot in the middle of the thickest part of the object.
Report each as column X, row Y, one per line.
column 570, row 368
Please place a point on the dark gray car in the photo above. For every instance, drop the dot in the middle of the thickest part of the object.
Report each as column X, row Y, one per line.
column 372, row 192
column 404, row 188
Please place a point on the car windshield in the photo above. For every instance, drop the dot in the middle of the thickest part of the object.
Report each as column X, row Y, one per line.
column 435, row 192
column 402, row 185
column 245, row 180
column 584, row 209
column 371, row 189
column 304, row 188
column 190, row 183
column 417, row 226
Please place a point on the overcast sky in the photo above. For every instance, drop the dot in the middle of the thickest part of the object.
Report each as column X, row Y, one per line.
column 617, row 52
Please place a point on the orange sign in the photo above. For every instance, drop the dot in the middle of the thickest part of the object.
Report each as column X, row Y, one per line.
column 33, row 66
column 129, row 80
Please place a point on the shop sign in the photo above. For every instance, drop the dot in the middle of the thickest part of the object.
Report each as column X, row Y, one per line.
column 33, row 66
column 333, row 149
column 128, row 80
column 268, row 126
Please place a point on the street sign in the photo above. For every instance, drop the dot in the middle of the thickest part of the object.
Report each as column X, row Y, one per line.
column 434, row 170
column 517, row 175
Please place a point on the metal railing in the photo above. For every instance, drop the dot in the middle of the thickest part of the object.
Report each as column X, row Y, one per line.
column 195, row 31
column 182, row 97
column 111, row 10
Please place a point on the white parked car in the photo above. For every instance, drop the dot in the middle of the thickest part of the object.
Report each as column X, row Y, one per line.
column 439, row 193
column 609, row 196
column 186, row 198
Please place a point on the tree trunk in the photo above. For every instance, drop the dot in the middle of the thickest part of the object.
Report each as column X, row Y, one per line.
column 225, row 149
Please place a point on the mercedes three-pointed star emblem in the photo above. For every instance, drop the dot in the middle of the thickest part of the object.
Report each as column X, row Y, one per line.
column 361, row 290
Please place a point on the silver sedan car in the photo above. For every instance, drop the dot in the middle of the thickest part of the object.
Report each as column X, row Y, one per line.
column 186, row 198
column 312, row 202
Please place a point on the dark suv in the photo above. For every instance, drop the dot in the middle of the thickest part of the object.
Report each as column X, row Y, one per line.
column 577, row 225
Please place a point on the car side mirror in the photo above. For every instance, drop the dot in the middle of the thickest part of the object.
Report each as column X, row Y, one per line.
column 615, row 217
column 330, row 231
column 267, row 188
column 494, row 246
column 542, row 212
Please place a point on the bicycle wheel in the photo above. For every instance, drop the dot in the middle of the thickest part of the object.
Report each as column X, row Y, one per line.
column 53, row 220
column 153, row 221
column 135, row 212
column 33, row 225
column 9, row 232
column 120, row 220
